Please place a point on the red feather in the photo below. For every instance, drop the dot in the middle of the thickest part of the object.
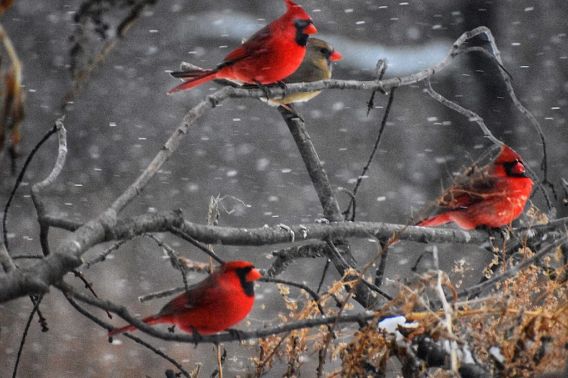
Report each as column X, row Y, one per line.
column 492, row 196
column 268, row 56
column 213, row 305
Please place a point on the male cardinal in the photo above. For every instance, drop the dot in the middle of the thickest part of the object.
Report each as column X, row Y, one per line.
column 268, row 56
column 315, row 67
column 212, row 305
column 492, row 196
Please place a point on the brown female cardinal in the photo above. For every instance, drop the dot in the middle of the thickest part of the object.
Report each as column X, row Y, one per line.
column 315, row 67
column 213, row 305
column 492, row 196
column 268, row 56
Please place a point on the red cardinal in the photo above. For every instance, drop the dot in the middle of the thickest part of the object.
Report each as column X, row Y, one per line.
column 213, row 305
column 270, row 55
column 491, row 196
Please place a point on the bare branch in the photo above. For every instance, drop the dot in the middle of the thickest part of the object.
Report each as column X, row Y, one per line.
column 137, row 340
column 5, row 260
column 285, row 256
column 24, row 335
column 37, row 278
column 104, row 254
column 313, row 164
column 471, row 115
column 44, row 139
column 339, row 230
column 220, row 337
column 59, row 163
column 38, row 187
column 371, row 157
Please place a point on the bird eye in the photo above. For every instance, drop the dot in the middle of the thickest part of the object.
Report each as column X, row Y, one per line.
column 518, row 169
column 325, row 51
column 301, row 24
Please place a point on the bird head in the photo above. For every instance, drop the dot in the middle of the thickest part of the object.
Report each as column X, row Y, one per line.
column 302, row 22
column 511, row 162
column 246, row 273
column 318, row 49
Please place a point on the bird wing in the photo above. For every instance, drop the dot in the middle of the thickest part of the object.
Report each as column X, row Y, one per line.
column 254, row 45
column 470, row 188
column 197, row 295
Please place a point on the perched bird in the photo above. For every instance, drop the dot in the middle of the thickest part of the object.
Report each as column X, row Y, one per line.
column 268, row 56
column 212, row 305
column 491, row 196
column 315, row 67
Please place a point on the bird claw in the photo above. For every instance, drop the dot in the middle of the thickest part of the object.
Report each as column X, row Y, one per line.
column 197, row 337
column 240, row 335
column 283, row 86
column 265, row 89
column 290, row 231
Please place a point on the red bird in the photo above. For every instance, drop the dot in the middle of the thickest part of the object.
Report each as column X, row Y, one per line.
column 492, row 196
column 270, row 55
column 212, row 305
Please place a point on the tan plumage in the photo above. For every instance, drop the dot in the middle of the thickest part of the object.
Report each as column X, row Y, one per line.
column 316, row 66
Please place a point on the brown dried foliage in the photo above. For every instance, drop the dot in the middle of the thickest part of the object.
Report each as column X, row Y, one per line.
column 525, row 318
column 11, row 100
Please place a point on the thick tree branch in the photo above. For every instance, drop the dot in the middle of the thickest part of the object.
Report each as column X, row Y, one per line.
column 340, row 230
column 104, row 227
column 313, row 164
column 37, row 278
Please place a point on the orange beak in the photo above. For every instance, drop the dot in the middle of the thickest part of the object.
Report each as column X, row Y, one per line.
column 335, row 56
column 253, row 275
column 310, row 29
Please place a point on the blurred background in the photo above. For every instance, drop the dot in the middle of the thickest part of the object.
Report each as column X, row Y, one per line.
column 243, row 149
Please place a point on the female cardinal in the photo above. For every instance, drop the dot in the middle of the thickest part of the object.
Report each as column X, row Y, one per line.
column 213, row 305
column 315, row 67
column 491, row 196
column 268, row 56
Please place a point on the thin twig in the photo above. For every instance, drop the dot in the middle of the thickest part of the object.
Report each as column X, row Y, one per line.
column 173, row 256
column 323, row 274
column 24, row 335
column 104, row 254
column 37, row 188
column 471, row 115
column 19, row 180
column 380, row 70
column 179, row 232
column 286, row 256
column 137, row 340
column 220, row 337
column 371, row 157
column 160, row 294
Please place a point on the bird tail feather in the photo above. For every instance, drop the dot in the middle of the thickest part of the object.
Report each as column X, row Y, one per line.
column 150, row 320
column 192, row 79
column 435, row 220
